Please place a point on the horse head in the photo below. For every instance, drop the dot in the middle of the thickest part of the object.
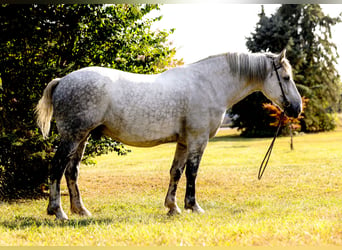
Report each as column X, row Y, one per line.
column 280, row 87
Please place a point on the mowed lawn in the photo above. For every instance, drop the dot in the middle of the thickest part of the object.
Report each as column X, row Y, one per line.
column 297, row 202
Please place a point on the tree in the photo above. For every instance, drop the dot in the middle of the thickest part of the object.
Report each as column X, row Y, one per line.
column 42, row 42
column 305, row 31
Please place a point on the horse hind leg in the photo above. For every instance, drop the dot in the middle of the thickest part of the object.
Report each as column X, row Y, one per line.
column 176, row 172
column 59, row 163
column 71, row 176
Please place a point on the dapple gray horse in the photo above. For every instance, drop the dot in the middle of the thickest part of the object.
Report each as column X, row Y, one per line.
column 183, row 105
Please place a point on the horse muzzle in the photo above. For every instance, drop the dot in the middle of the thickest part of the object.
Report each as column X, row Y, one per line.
column 293, row 109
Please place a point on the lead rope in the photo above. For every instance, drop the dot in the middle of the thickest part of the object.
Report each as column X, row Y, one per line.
column 262, row 167
column 264, row 162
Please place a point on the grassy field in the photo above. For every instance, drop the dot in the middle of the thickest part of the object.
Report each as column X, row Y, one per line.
column 297, row 202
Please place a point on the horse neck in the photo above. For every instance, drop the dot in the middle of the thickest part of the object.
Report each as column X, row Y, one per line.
column 219, row 81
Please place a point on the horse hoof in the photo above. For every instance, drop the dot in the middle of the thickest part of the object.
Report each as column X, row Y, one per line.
column 85, row 213
column 195, row 209
column 198, row 210
column 80, row 211
column 174, row 211
column 61, row 216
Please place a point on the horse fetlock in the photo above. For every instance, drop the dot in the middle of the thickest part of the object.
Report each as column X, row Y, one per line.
column 52, row 208
column 170, row 202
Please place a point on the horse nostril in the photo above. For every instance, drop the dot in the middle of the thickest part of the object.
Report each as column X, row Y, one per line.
column 287, row 104
column 292, row 110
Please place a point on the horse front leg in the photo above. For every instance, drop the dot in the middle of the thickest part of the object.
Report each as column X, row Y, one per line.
column 176, row 172
column 192, row 164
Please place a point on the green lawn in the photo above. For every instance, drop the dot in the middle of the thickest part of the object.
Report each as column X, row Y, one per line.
column 297, row 202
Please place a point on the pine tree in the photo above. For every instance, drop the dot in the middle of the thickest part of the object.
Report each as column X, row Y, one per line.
column 305, row 31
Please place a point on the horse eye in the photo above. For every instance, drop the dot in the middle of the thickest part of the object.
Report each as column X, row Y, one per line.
column 286, row 78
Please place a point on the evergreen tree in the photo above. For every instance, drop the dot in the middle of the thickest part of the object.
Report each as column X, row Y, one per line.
column 305, row 31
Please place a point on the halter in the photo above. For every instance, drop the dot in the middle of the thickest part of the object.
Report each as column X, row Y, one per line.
column 286, row 102
column 286, row 105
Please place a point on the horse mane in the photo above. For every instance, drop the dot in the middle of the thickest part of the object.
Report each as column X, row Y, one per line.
column 252, row 66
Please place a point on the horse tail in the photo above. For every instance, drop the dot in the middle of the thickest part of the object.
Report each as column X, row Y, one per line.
column 44, row 109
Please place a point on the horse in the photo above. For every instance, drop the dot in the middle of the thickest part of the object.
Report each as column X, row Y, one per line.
column 185, row 105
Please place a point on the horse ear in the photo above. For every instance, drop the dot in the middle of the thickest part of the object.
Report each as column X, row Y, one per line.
column 282, row 55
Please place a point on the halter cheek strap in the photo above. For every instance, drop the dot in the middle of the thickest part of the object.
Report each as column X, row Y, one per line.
column 286, row 102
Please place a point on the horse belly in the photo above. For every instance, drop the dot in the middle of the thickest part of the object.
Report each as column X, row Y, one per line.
column 143, row 127
column 142, row 135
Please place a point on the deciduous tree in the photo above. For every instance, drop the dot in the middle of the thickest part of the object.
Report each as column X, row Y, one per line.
column 42, row 42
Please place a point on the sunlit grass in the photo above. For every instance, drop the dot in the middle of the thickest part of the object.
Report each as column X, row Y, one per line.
column 297, row 202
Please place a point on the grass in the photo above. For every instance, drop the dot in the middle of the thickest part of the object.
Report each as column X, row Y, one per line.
column 298, row 202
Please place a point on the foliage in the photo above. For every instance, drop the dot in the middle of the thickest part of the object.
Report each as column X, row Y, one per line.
column 99, row 147
column 288, row 122
column 289, row 125
column 24, row 160
column 42, row 42
column 305, row 31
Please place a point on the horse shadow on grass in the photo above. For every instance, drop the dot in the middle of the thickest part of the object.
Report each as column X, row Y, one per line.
column 22, row 222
